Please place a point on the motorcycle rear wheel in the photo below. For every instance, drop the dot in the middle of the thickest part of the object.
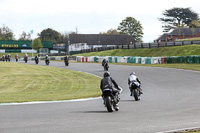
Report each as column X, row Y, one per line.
column 135, row 94
column 109, row 104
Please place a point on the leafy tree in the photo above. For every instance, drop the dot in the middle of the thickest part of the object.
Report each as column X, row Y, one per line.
column 64, row 37
column 36, row 44
column 25, row 36
column 50, row 35
column 131, row 27
column 195, row 24
column 177, row 16
column 110, row 31
column 6, row 33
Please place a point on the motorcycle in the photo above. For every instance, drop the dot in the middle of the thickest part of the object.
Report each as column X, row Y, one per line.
column 6, row 58
column 66, row 63
column 106, row 67
column 47, row 61
column 110, row 100
column 135, row 90
column 36, row 60
column 26, row 59
column 16, row 58
column 3, row 59
column 9, row 59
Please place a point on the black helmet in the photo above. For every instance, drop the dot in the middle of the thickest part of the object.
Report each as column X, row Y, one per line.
column 106, row 74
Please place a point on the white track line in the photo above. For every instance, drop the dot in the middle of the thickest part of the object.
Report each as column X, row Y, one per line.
column 39, row 102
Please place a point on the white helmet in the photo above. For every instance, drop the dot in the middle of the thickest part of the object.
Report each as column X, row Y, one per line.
column 46, row 55
column 132, row 73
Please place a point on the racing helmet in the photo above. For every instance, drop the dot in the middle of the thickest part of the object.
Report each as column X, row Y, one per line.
column 132, row 73
column 106, row 74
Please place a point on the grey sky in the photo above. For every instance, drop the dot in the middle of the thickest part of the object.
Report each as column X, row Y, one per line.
column 88, row 16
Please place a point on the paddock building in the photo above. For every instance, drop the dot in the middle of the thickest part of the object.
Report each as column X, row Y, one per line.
column 21, row 46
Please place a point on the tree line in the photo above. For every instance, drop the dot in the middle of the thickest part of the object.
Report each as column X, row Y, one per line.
column 173, row 18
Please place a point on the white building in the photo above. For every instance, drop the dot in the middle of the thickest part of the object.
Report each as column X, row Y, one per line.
column 82, row 46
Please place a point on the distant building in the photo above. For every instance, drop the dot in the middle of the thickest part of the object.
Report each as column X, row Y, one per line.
column 179, row 33
column 86, row 41
column 15, row 46
column 162, row 38
column 78, row 46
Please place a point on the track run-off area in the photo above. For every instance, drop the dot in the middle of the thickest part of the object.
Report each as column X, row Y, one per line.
column 170, row 101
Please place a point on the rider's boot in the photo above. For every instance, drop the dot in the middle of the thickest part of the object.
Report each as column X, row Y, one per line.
column 140, row 90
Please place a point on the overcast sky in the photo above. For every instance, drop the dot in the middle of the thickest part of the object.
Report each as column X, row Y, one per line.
column 88, row 16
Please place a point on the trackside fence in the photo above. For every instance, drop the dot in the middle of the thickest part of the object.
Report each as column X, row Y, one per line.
column 138, row 46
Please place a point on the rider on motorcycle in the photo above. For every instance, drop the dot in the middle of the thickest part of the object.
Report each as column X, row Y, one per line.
column 46, row 58
column 16, row 57
column 66, row 59
column 26, row 57
column 6, row 57
column 109, row 82
column 36, row 58
column 103, row 61
column 133, row 78
column 105, row 64
column 9, row 57
column 3, row 58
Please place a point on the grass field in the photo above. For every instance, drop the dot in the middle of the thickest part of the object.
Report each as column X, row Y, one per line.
column 154, row 52
column 23, row 83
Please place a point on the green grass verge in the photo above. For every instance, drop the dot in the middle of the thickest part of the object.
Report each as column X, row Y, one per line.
column 190, row 39
column 195, row 67
column 154, row 52
column 24, row 83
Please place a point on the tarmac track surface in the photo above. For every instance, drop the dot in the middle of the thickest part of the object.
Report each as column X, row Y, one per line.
column 170, row 101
